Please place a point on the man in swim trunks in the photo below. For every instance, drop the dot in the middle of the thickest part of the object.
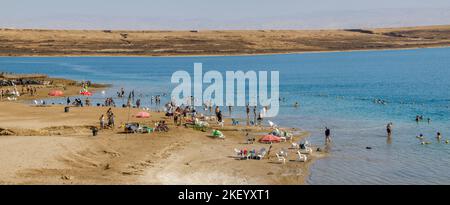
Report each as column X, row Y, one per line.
column 389, row 129
column 327, row 135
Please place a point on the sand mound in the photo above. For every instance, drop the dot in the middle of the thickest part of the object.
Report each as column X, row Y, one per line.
column 49, row 131
column 4, row 132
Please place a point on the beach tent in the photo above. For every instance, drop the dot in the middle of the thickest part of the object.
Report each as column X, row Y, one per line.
column 56, row 93
column 269, row 139
column 217, row 133
column 143, row 115
column 86, row 93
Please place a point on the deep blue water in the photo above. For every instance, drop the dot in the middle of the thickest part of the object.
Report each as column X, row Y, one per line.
column 334, row 89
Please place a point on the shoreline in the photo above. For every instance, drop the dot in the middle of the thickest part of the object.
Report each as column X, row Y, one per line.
column 68, row 154
column 225, row 55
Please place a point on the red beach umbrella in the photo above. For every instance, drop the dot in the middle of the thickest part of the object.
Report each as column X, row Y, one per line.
column 56, row 93
column 143, row 115
column 86, row 93
column 270, row 138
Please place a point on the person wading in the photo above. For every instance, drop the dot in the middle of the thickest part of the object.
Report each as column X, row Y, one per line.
column 327, row 135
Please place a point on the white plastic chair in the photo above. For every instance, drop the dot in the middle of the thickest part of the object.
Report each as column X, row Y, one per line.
column 261, row 155
column 238, row 152
column 307, row 150
column 301, row 157
column 280, row 158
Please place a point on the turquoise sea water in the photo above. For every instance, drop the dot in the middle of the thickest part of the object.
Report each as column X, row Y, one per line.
column 334, row 89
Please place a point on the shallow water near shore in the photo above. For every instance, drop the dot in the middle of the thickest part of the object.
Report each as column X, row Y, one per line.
column 337, row 90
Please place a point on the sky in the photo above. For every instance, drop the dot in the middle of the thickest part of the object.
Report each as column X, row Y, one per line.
column 225, row 14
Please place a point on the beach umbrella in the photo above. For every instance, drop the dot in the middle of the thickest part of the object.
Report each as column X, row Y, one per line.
column 86, row 93
column 270, row 138
column 56, row 93
column 143, row 115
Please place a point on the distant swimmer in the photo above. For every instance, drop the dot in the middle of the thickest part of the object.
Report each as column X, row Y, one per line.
column 438, row 136
column 420, row 136
column 296, row 104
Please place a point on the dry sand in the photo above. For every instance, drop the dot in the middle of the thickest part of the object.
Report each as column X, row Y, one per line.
column 47, row 146
column 34, row 42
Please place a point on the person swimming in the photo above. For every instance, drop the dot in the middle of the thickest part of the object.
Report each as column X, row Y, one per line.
column 438, row 136
column 420, row 136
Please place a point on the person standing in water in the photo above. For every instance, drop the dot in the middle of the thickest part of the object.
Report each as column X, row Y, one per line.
column 389, row 129
column 138, row 103
column 122, row 92
column 296, row 105
column 254, row 114
column 247, row 110
column 229, row 109
column 327, row 135
column 438, row 136
column 88, row 102
column 260, row 119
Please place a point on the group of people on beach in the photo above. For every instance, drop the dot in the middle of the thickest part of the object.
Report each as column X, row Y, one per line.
column 110, row 120
column 26, row 89
column 78, row 102
column 29, row 90
column 109, row 102
column 257, row 117
column 179, row 113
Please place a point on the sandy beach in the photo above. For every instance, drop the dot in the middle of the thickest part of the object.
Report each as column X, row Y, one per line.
column 38, row 42
column 45, row 145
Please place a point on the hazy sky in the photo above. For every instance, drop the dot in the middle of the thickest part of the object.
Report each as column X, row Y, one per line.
column 225, row 14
